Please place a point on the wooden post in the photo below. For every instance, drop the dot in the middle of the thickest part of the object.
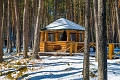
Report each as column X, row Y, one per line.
column 70, row 48
column 111, row 50
column 56, row 36
column 46, row 36
column 77, row 38
column 76, row 47
column 68, row 35
column 42, row 36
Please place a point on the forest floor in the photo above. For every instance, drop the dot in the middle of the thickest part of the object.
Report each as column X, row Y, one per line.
column 53, row 68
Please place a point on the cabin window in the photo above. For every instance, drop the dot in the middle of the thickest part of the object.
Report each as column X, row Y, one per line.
column 51, row 37
column 60, row 37
column 80, row 37
column 64, row 36
column 72, row 36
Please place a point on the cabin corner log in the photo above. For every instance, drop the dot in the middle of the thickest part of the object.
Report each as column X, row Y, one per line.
column 42, row 36
column 42, row 46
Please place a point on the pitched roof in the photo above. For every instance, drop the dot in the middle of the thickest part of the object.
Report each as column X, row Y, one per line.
column 63, row 24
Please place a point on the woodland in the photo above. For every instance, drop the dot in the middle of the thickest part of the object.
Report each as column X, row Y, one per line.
column 22, row 20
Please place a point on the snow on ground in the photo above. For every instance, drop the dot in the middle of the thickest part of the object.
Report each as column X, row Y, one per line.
column 53, row 67
column 61, row 68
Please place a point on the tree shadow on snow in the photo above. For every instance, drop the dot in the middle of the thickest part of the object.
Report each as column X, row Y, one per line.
column 53, row 75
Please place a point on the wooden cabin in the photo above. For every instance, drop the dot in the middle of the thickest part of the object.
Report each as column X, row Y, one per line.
column 62, row 35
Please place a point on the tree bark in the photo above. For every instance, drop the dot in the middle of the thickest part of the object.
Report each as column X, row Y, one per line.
column 118, row 18
column 68, row 9
column 110, row 37
column 86, row 42
column 55, row 10
column 25, row 30
column 74, row 2
column 34, row 20
column 102, row 38
column 95, row 2
column 1, row 34
column 37, row 31
column 18, row 49
column 9, row 45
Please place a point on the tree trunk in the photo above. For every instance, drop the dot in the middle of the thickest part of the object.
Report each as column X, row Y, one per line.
column 102, row 38
column 13, row 25
column 71, row 11
column 68, row 9
column 25, row 30
column 37, row 31
column 93, row 27
column 86, row 45
column 110, row 37
column 74, row 2
column 34, row 21
column 9, row 45
column 118, row 18
column 95, row 2
column 55, row 10
column 1, row 34
column 18, row 49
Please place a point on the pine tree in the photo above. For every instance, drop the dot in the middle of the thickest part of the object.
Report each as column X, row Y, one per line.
column 37, row 31
column 1, row 40
column 102, row 41
column 87, row 39
column 25, row 30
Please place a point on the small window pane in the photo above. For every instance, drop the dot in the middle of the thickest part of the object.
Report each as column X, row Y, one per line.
column 80, row 37
column 60, row 36
column 72, row 37
column 51, row 37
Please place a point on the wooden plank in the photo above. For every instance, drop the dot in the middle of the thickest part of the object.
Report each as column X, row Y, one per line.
column 70, row 49
column 68, row 35
column 56, row 36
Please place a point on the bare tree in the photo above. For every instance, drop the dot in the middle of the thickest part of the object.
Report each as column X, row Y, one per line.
column 118, row 18
column 1, row 40
column 55, row 9
column 37, row 29
column 9, row 43
column 95, row 2
column 86, row 45
column 25, row 30
column 68, row 9
column 102, row 41
column 18, row 49
column 34, row 21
